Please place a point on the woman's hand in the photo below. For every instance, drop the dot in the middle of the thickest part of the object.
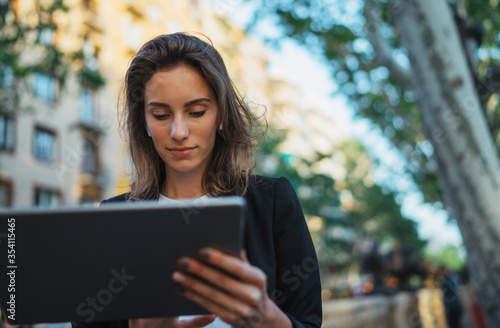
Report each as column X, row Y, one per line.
column 172, row 322
column 237, row 292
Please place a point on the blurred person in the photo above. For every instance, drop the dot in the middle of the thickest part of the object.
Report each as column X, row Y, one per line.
column 403, row 263
column 191, row 135
column 451, row 298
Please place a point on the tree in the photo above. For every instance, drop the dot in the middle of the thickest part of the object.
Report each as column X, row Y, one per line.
column 368, row 212
column 427, row 75
column 27, row 46
column 376, row 211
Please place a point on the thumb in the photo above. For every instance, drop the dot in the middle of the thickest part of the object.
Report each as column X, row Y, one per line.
column 243, row 255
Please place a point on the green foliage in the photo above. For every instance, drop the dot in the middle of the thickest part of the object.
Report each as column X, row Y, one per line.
column 374, row 213
column 448, row 256
column 316, row 193
column 31, row 33
column 486, row 12
column 315, row 190
column 91, row 78
column 20, row 36
column 377, row 213
column 87, row 77
column 340, row 31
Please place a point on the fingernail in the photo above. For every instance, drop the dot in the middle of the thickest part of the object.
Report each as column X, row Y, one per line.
column 183, row 263
column 179, row 277
column 256, row 297
column 205, row 253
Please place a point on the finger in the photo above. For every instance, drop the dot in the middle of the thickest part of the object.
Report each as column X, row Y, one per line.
column 139, row 323
column 243, row 290
column 243, row 256
column 225, row 314
column 233, row 265
column 198, row 321
column 213, row 294
column 151, row 323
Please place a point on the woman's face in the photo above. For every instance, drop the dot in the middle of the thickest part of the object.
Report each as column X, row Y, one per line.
column 181, row 116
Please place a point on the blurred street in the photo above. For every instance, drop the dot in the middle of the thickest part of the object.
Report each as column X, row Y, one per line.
column 422, row 309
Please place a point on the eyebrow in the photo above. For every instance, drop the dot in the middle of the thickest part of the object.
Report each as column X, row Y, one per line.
column 189, row 103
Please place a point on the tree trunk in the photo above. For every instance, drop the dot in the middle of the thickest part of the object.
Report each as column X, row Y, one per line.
column 469, row 170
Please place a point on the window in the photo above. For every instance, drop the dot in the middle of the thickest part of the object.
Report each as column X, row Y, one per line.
column 7, row 133
column 131, row 32
column 46, row 197
column 44, row 148
column 90, row 52
column 87, row 106
column 5, row 193
column 90, row 158
column 44, row 87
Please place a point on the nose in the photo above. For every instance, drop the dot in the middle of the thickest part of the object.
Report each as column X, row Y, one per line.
column 179, row 129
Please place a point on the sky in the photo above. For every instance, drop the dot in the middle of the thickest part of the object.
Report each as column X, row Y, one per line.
column 298, row 66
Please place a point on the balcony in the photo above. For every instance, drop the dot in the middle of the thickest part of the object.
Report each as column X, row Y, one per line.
column 135, row 8
column 93, row 21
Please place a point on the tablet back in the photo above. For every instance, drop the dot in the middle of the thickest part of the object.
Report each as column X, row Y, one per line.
column 107, row 263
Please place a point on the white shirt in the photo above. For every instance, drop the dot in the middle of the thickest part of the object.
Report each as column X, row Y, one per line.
column 218, row 323
column 198, row 201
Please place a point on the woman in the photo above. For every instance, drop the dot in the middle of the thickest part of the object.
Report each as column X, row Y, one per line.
column 191, row 136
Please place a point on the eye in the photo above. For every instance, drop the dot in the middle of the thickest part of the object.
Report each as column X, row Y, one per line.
column 198, row 114
column 160, row 117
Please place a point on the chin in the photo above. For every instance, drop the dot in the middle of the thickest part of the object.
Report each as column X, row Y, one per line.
column 182, row 168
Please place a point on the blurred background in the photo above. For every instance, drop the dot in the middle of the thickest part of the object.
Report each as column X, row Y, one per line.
column 343, row 128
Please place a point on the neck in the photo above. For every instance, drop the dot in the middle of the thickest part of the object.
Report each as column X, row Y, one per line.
column 180, row 186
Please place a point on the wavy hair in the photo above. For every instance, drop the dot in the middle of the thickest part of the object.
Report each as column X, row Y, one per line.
column 232, row 160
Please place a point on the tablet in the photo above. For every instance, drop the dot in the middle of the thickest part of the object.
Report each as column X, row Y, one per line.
column 109, row 263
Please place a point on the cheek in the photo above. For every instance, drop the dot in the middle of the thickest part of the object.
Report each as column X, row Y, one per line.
column 208, row 129
column 157, row 137
column 157, row 129
column 211, row 133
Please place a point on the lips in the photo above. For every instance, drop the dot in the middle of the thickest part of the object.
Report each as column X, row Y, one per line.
column 181, row 151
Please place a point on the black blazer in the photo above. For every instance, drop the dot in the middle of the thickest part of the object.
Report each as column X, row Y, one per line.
column 278, row 241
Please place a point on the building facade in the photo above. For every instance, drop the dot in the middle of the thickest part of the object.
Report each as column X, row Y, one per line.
column 61, row 144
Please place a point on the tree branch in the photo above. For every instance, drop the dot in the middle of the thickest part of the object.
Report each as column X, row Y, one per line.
column 382, row 48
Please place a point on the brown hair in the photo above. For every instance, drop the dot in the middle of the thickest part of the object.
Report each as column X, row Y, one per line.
column 232, row 160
